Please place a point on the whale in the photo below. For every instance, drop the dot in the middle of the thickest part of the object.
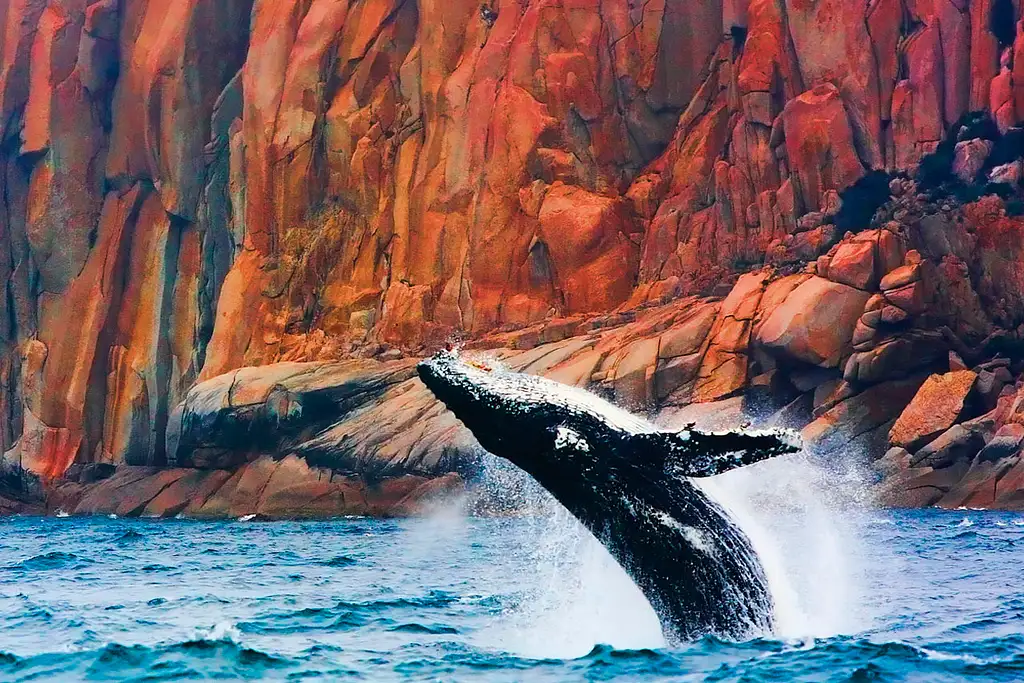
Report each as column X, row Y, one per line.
column 631, row 485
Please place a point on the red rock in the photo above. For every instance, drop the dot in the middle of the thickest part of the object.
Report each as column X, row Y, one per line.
column 919, row 102
column 105, row 497
column 853, row 264
column 587, row 237
column 1007, row 174
column 901, row 276
column 858, row 415
column 957, row 445
column 1002, row 104
column 815, row 324
column 978, row 487
column 891, row 315
column 687, row 337
column 426, row 496
column 910, row 298
column 920, row 487
column 724, row 369
column 200, row 187
column 896, row 357
column 970, row 157
column 193, row 489
column 1018, row 68
column 937, row 406
column 634, row 370
column 984, row 53
column 240, row 495
column 819, row 143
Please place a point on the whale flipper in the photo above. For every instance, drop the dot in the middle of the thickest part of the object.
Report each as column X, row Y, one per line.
column 693, row 453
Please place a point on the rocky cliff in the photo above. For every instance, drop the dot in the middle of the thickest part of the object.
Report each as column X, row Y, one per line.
column 807, row 209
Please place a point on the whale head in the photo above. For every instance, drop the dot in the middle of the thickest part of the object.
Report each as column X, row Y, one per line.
column 565, row 436
column 522, row 418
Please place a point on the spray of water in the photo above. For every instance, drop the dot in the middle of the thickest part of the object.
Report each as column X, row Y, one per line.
column 574, row 594
column 806, row 523
column 804, row 520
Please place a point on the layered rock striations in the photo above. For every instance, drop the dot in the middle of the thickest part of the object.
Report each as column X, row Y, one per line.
column 804, row 209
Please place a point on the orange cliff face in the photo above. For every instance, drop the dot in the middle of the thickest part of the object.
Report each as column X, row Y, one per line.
column 191, row 187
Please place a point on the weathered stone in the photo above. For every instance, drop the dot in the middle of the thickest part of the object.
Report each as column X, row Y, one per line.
column 203, row 187
column 894, row 358
column 193, row 488
column 895, row 461
column 853, row 264
column 900, row 277
column 969, row 158
column 955, row 445
column 853, row 417
column 939, row 404
column 815, row 324
column 1006, row 174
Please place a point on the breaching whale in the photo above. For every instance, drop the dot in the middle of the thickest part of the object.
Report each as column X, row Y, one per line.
column 629, row 484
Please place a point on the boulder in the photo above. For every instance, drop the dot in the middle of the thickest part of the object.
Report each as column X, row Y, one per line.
column 911, row 298
column 894, row 358
column 969, row 158
column 815, row 324
column 858, row 418
column 687, row 337
column 853, row 264
column 901, row 276
column 820, row 143
column 920, row 487
column 224, row 419
column 1006, row 174
column 895, row 461
column 940, row 403
column 193, row 488
column 977, row 488
column 1007, row 442
column 956, row 445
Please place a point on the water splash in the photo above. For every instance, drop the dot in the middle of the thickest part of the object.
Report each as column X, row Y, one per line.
column 573, row 594
column 805, row 521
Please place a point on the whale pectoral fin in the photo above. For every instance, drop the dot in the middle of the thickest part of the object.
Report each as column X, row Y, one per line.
column 693, row 453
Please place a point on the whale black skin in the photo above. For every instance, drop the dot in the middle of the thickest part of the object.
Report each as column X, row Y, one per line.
column 628, row 483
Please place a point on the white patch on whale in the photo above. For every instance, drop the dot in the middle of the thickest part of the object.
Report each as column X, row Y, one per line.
column 566, row 438
column 693, row 536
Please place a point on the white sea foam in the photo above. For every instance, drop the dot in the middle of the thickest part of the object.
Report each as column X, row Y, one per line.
column 574, row 594
column 805, row 522
column 222, row 631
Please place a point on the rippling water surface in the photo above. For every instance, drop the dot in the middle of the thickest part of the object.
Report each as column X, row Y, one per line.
column 939, row 596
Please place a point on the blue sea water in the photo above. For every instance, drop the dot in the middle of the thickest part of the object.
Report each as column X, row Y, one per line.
column 875, row 596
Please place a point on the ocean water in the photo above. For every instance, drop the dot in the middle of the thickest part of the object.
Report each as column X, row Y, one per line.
column 861, row 595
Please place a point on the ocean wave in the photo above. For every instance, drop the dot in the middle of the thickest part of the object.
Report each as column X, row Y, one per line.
column 129, row 536
column 414, row 602
column 433, row 629
column 340, row 561
column 50, row 561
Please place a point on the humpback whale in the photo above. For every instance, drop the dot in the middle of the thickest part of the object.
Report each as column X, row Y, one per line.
column 630, row 484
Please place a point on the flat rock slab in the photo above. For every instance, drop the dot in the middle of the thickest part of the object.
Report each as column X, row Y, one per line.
column 938, row 405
